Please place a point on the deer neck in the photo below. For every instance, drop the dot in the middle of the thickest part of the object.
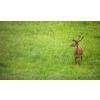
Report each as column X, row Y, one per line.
column 76, row 47
column 76, row 50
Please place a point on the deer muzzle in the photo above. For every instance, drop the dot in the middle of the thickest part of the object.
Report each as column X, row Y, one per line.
column 72, row 45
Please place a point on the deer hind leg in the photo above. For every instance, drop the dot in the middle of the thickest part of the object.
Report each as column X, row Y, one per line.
column 81, row 59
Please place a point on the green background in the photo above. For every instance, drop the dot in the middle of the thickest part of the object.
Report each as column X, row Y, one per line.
column 40, row 50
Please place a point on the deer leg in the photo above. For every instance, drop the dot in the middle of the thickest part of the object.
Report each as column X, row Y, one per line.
column 79, row 61
column 75, row 61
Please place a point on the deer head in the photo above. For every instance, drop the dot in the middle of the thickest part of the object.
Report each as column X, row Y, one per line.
column 76, row 41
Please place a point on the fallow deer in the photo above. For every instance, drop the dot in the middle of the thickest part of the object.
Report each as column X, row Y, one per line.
column 78, row 50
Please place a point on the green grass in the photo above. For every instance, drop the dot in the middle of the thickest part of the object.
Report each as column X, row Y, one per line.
column 40, row 50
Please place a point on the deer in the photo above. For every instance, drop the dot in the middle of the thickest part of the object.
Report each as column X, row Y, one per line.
column 78, row 50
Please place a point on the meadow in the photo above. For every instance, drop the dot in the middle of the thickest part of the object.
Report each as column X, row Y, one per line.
column 40, row 50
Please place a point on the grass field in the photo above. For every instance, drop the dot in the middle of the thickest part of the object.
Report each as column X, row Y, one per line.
column 40, row 50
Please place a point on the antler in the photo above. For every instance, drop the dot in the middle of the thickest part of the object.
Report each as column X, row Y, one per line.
column 81, row 38
column 74, row 40
column 78, row 37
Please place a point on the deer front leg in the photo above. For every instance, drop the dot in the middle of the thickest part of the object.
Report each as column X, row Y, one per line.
column 75, row 61
column 79, row 61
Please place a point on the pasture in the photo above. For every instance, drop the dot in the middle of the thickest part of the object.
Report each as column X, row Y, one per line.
column 40, row 50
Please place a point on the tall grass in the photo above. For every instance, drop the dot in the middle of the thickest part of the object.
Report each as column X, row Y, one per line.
column 40, row 50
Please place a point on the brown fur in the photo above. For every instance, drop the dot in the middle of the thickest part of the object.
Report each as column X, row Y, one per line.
column 79, row 51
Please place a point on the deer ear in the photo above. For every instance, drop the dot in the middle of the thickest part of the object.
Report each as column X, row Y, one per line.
column 73, row 40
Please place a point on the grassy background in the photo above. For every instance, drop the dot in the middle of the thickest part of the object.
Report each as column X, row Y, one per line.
column 40, row 50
